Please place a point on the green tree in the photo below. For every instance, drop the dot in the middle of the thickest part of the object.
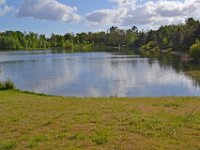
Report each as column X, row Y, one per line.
column 195, row 51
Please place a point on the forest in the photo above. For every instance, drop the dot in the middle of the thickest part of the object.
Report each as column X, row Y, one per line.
column 181, row 37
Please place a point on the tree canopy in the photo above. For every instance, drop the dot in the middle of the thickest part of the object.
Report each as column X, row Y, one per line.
column 176, row 37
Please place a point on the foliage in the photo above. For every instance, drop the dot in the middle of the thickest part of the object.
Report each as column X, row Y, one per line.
column 17, row 40
column 114, row 37
column 2, row 86
column 195, row 51
column 8, row 85
column 176, row 37
column 149, row 46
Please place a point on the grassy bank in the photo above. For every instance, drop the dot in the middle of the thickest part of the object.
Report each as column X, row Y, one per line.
column 29, row 121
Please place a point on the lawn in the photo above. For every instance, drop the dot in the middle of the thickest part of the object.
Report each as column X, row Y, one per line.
column 29, row 121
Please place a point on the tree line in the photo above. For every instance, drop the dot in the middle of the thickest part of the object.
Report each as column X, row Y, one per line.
column 176, row 37
column 13, row 40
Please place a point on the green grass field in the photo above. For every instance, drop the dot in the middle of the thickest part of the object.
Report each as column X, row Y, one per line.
column 29, row 121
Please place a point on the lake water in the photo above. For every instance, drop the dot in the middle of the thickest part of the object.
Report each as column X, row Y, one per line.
column 98, row 74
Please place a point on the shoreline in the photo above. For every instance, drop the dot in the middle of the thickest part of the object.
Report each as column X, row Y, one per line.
column 99, row 97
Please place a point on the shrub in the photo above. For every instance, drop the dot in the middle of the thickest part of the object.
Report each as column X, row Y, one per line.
column 195, row 51
column 2, row 86
column 149, row 46
column 8, row 85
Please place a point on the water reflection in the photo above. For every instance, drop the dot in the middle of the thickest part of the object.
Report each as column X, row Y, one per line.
column 97, row 74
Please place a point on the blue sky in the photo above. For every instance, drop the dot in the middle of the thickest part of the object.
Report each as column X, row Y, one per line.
column 10, row 22
column 61, row 16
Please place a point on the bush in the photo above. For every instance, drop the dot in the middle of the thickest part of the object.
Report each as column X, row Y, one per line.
column 8, row 85
column 2, row 86
column 195, row 51
column 149, row 46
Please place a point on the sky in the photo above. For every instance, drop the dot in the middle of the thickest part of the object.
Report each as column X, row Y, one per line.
column 62, row 16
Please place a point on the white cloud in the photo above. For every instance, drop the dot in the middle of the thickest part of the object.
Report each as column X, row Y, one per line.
column 4, row 8
column 104, row 16
column 145, row 14
column 47, row 10
column 150, row 13
column 124, row 2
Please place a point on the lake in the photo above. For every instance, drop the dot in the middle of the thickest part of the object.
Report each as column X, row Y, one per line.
column 97, row 74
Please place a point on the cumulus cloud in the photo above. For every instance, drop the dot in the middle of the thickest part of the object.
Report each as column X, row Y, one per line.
column 47, row 10
column 150, row 13
column 4, row 8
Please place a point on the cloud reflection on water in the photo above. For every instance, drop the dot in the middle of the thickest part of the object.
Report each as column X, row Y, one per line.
column 95, row 74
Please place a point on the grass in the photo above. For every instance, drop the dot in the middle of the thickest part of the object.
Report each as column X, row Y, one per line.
column 30, row 121
column 7, row 146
